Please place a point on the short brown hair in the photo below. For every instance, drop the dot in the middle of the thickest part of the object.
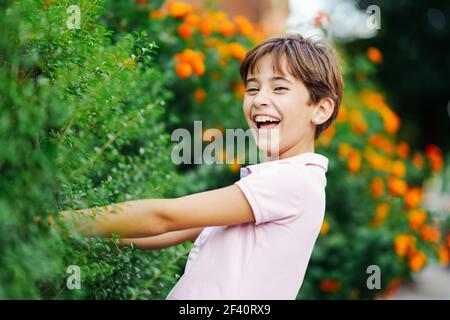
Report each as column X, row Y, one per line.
column 315, row 63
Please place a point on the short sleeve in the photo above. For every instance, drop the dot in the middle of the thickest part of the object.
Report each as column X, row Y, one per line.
column 273, row 196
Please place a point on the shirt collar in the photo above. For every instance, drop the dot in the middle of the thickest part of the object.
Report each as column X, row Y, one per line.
column 307, row 158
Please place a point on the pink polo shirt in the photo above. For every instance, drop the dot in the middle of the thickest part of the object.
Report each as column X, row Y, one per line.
column 265, row 259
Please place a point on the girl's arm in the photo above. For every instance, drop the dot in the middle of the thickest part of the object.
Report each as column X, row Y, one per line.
column 151, row 217
column 164, row 240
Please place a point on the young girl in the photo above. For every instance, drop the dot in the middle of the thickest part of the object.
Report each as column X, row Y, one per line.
column 253, row 239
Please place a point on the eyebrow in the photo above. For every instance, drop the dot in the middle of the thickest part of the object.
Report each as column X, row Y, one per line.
column 272, row 79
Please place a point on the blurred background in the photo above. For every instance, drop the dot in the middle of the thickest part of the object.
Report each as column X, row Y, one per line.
column 91, row 94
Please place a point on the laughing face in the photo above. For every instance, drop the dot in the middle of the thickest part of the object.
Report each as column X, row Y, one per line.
column 275, row 106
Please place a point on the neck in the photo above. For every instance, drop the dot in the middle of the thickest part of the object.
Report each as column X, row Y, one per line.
column 299, row 148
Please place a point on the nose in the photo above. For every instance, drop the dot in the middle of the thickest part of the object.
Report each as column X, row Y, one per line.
column 261, row 99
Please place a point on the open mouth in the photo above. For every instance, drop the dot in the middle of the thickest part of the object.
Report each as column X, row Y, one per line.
column 266, row 122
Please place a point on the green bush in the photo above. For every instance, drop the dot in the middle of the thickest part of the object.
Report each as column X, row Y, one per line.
column 80, row 126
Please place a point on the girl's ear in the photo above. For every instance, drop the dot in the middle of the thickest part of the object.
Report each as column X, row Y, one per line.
column 322, row 111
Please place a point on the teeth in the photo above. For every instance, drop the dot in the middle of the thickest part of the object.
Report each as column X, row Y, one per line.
column 265, row 118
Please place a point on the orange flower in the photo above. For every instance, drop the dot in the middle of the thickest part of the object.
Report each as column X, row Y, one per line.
column 219, row 16
column 199, row 67
column 245, row 27
column 374, row 100
column 386, row 146
column 259, row 34
column 391, row 121
column 185, row 30
column 418, row 161
column 357, row 121
column 179, row 9
column 199, row 95
column 398, row 169
column 381, row 213
column 237, row 51
column 382, row 143
column 192, row 20
column 403, row 150
column 329, row 132
column 344, row 150
column 234, row 167
column 194, row 59
column 342, row 115
column 397, row 186
column 206, row 27
column 417, row 261
column 223, row 50
column 354, row 162
column 431, row 150
column 374, row 55
column 444, row 255
column 157, row 14
column 377, row 161
column 377, row 187
column 226, row 28
column 430, row 234
column 434, row 155
column 405, row 244
column 375, row 140
column 437, row 164
column 190, row 56
column 330, row 285
column 327, row 136
column 413, row 197
column 184, row 70
column 417, row 218
column 325, row 227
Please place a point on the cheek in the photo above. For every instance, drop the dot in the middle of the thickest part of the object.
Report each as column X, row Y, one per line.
column 294, row 123
column 246, row 109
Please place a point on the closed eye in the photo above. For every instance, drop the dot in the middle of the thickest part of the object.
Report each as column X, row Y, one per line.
column 280, row 88
column 251, row 90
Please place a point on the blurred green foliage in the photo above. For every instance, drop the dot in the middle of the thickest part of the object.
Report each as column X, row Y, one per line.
column 80, row 127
